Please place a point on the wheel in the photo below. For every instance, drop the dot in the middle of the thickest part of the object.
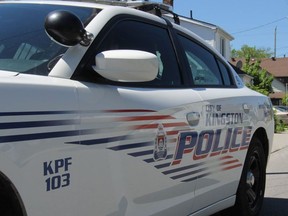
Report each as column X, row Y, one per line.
column 9, row 204
column 250, row 193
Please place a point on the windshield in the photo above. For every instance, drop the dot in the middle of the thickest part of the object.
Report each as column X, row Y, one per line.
column 24, row 45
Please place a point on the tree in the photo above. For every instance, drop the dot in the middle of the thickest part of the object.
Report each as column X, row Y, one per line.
column 262, row 80
column 251, row 52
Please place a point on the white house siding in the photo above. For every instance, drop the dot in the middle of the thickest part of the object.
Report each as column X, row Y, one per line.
column 212, row 34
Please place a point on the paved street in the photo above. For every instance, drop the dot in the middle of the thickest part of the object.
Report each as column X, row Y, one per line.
column 276, row 195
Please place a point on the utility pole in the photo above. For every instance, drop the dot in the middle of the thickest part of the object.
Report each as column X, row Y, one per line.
column 275, row 39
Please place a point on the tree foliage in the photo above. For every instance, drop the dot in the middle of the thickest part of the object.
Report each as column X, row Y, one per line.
column 285, row 100
column 251, row 52
column 262, row 80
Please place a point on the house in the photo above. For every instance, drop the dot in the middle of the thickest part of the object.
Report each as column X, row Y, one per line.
column 278, row 68
column 214, row 35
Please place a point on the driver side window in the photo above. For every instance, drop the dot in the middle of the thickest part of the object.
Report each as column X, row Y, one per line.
column 136, row 35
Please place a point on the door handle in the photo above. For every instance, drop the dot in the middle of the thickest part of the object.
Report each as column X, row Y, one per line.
column 193, row 118
column 246, row 108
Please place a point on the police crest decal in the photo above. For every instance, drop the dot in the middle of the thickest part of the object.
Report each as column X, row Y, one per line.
column 160, row 147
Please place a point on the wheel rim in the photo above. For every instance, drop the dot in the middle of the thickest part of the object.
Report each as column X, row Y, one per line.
column 254, row 180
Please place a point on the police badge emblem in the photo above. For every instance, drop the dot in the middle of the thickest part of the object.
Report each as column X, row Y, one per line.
column 160, row 148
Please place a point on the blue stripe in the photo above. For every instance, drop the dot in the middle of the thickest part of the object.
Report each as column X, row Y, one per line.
column 142, row 153
column 197, row 177
column 151, row 160
column 26, row 137
column 182, row 168
column 98, row 141
column 29, row 124
column 39, row 136
column 160, row 166
column 188, row 173
column 131, row 146
column 36, row 113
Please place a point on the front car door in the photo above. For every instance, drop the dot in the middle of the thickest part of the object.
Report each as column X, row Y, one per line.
column 136, row 156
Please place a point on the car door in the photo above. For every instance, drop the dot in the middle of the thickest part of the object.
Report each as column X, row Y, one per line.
column 135, row 160
column 227, row 133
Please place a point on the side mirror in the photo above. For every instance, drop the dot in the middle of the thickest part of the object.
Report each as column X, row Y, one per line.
column 127, row 65
column 66, row 29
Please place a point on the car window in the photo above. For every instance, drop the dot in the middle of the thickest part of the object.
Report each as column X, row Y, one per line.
column 136, row 35
column 24, row 45
column 225, row 73
column 204, row 68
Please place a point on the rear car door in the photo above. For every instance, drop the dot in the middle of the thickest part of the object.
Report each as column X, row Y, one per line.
column 134, row 162
column 227, row 134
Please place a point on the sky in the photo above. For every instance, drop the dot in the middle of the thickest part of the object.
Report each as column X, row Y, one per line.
column 250, row 22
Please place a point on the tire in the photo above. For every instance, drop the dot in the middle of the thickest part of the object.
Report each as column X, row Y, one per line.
column 9, row 204
column 251, row 189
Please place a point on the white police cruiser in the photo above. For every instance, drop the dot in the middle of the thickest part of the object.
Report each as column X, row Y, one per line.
column 126, row 114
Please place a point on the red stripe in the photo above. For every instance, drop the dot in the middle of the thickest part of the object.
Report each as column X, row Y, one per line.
column 177, row 124
column 229, row 162
column 150, row 126
column 176, row 162
column 232, row 167
column 226, row 157
column 145, row 118
column 244, row 147
column 215, row 153
column 169, row 133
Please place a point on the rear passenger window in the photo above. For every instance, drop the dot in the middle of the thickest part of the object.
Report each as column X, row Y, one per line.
column 204, row 68
column 225, row 74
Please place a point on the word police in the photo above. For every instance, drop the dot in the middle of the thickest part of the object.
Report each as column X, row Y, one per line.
column 209, row 143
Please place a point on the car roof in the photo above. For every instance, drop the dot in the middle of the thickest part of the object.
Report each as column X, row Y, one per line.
column 57, row 2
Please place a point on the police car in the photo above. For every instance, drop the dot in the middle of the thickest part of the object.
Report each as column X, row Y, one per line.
column 109, row 109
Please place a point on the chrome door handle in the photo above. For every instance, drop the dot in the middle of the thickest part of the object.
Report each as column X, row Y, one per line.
column 246, row 108
column 193, row 118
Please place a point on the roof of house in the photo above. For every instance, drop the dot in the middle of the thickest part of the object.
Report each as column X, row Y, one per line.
column 277, row 67
column 277, row 95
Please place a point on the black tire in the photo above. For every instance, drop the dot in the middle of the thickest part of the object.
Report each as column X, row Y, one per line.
column 9, row 204
column 251, row 189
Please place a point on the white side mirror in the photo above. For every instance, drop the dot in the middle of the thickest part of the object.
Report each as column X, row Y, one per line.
column 127, row 65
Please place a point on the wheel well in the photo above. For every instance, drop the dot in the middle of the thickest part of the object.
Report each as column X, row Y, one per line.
column 10, row 201
column 261, row 134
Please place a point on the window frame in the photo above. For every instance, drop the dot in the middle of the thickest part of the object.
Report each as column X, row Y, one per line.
column 90, row 55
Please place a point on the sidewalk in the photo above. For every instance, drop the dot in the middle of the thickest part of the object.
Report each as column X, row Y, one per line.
column 280, row 141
